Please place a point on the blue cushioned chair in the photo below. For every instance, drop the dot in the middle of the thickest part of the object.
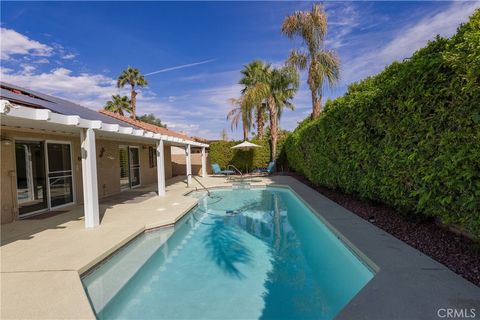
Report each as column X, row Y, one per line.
column 216, row 170
column 269, row 170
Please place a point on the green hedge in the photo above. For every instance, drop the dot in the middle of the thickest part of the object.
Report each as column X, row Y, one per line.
column 221, row 153
column 408, row 137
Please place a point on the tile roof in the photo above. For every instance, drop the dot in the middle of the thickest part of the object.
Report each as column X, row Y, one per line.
column 148, row 126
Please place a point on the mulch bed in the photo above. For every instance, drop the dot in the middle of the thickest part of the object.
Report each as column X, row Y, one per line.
column 456, row 252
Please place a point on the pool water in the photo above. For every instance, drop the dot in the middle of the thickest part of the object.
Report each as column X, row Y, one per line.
column 240, row 254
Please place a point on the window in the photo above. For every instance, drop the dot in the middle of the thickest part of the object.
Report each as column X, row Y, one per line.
column 152, row 157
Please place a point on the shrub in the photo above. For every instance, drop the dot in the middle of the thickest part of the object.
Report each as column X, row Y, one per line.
column 221, row 153
column 408, row 137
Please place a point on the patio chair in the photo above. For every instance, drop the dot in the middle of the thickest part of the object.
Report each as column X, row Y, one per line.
column 268, row 170
column 218, row 171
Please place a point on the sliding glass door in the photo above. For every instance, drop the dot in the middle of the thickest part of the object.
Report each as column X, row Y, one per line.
column 31, row 182
column 134, row 167
column 60, row 175
column 124, row 168
column 44, row 176
column 129, row 167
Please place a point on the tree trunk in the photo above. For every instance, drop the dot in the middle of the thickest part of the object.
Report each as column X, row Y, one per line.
column 133, row 103
column 273, row 126
column 245, row 131
column 317, row 108
column 260, row 123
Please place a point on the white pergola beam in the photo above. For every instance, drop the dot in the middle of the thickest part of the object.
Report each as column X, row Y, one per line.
column 90, row 124
column 63, row 119
column 138, row 132
column 19, row 111
column 89, row 177
column 125, row 130
column 188, row 163
column 161, row 168
column 204, row 162
column 110, row 127
column 28, row 113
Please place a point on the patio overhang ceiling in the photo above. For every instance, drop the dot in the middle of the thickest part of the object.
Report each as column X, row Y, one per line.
column 18, row 116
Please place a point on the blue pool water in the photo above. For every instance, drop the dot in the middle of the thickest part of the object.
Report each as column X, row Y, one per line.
column 240, row 254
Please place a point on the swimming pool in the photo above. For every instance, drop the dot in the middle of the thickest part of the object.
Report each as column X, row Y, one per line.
column 240, row 254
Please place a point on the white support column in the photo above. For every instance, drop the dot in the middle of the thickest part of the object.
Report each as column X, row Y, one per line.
column 188, row 154
column 160, row 168
column 89, row 175
column 204, row 162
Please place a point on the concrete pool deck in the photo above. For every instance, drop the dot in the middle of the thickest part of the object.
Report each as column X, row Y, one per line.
column 41, row 260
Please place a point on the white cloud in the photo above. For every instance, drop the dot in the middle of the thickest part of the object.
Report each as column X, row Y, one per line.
column 42, row 61
column 68, row 56
column 14, row 43
column 91, row 89
column 27, row 69
column 407, row 41
column 344, row 18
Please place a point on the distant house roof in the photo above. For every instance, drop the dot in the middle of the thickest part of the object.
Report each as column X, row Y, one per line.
column 35, row 99
column 145, row 126
column 200, row 139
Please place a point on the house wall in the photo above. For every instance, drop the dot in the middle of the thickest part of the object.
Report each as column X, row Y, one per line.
column 8, row 176
column 179, row 167
column 108, row 167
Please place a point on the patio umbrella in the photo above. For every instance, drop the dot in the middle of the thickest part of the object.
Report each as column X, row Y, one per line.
column 245, row 145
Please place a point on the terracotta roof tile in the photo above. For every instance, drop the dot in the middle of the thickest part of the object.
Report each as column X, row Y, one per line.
column 149, row 127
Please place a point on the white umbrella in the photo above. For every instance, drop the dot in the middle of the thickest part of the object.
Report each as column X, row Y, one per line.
column 245, row 145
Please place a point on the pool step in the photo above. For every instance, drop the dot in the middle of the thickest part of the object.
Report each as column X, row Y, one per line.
column 241, row 185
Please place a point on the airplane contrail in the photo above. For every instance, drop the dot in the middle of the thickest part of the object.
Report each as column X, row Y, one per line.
column 180, row 67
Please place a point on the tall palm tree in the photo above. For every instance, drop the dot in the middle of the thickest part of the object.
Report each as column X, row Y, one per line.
column 252, row 74
column 323, row 65
column 119, row 104
column 133, row 77
column 240, row 111
column 276, row 88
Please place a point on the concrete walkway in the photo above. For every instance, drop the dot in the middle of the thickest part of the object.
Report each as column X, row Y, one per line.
column 41, row 260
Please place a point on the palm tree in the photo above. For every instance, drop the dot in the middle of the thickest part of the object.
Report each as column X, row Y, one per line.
column 323, row 65
column 240, row 111
column 252, row 73
column 223, row 135
column 118, row 104
column 133, row 77
column 276, row 88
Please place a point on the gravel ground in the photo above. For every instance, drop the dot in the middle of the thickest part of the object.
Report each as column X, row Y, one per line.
column 459, row 254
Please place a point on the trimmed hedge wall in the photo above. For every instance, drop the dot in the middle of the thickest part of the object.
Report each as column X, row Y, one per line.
column 408, row 137
column 221, row 153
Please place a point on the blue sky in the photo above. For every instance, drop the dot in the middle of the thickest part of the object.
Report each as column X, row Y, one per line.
column 77, row 49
